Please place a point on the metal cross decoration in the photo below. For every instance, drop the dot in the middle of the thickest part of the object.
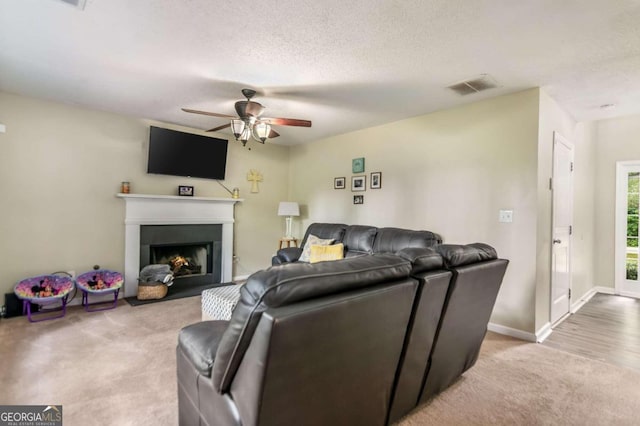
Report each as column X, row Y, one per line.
column 254, row 177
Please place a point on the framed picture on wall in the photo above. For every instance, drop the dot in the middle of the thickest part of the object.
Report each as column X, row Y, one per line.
column 338, row 183
column 376, row 180
column 358, row 199
column 357, row 165
column 358, row 183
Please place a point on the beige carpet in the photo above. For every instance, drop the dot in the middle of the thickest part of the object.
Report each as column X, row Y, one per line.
column 118, row 368
column 520, row 383
column 113, row 367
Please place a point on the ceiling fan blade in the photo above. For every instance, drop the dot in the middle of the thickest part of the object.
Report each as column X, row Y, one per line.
column 213, row 114
column 286, row 121
column 215, row 129
column 273, row 134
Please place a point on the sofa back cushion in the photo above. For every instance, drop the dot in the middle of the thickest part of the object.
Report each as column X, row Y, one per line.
column 326, row 231
column 287, row 284
column 463, row 324
column 327, row 361
column 391, row 240
column 358, row 239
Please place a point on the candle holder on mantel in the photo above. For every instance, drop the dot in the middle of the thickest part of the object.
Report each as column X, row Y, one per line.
column 235, row 194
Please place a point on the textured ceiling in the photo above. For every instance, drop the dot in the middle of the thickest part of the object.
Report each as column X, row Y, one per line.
column 345, row 65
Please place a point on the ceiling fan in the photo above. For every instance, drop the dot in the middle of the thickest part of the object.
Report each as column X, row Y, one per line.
column 249, row 122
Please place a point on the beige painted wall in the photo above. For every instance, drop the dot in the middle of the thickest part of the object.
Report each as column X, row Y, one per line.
column 617, row 140
column 554, row 119
column 61, row 166
column 449, row 172
column 584, row 242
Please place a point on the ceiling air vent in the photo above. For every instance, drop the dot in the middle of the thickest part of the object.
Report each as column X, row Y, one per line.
column 468, row 87
column 80, row 4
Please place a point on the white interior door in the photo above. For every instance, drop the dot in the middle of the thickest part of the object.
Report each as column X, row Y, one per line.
column 627, row 211
column 562, row 218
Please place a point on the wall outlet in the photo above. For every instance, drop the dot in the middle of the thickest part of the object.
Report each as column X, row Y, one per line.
column 506, row 216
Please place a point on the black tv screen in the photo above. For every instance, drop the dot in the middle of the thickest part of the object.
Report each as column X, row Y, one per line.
column 185, row 154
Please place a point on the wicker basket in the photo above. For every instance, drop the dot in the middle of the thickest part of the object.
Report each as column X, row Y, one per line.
column 152, row 290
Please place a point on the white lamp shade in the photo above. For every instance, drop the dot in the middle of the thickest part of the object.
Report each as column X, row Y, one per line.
column 288, row 208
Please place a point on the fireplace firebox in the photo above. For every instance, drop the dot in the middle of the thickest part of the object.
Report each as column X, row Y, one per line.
column 193, row 252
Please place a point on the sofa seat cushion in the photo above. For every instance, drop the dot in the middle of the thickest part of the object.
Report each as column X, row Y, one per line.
column 312, row 240
column 458, row 255
column 200, row 341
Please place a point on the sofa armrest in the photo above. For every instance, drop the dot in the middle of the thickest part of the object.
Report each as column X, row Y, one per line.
column 422, row 259
column 288, row 254
column 199, row 342
column 458, row 255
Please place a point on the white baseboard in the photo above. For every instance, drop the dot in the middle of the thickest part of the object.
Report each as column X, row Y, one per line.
column 628, row 294
column 588, row 295
column 512, row 332
column 584, row 299
column 611, row 290
column 543, row 333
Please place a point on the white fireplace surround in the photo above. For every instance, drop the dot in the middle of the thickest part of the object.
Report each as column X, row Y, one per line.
column 141, row 209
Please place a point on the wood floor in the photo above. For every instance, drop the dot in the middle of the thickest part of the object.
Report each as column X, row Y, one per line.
column 606, row 328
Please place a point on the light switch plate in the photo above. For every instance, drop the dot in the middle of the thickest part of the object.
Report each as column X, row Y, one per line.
column 506, row 216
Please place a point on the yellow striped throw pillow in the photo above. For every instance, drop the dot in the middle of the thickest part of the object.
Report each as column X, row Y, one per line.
column 326, row 253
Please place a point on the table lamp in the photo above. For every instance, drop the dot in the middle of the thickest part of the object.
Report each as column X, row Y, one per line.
column 288, row 209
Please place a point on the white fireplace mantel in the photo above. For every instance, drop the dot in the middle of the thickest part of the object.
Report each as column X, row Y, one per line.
column 142, row 209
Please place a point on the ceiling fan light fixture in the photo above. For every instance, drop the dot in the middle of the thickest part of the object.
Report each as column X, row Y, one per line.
column 237, row 127
column 249, row 123
column 244, row 137
column 261, row 131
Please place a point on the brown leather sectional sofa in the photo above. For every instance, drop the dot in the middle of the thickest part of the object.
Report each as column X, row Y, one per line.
column 359, row 341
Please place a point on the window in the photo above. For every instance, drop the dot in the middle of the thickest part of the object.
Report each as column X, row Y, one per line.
column 633, row 203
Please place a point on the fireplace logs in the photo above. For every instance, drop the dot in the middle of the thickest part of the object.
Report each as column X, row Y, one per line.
column 181, row 266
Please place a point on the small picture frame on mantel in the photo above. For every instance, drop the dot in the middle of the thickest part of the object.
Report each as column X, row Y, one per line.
column 185, row 191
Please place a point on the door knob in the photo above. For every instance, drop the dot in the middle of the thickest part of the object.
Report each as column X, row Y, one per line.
column 557, row 241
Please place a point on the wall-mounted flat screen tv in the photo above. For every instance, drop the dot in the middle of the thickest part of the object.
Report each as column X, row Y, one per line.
column 185, row 154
